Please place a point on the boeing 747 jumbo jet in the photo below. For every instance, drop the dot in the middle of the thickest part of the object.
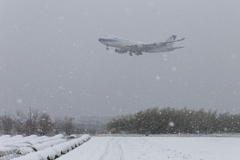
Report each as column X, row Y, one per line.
column 123, row 46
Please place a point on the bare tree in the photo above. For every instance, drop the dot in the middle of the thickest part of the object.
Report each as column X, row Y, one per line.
column 31, row 122
column 19, row 121
column 45, row 124
column 68, row 126
column 58, row 125
column 6, row 123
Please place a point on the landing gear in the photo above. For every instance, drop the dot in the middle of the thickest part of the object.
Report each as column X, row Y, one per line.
column 107, row 48
column 130, row 53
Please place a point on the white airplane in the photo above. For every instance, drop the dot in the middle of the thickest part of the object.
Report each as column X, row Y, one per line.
column 123, row 46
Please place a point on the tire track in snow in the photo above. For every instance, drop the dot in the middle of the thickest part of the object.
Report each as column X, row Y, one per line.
column 113, row 150
column 106, row 151
column 96, row 149
column 121, row 151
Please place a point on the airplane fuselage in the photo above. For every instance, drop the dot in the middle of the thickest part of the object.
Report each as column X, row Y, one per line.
column 124, row 46
column 122, row 43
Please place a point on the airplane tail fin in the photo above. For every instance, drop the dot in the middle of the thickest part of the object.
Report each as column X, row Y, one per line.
column 172, row 38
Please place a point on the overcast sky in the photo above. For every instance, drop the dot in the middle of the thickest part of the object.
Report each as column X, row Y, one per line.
column 50, row 57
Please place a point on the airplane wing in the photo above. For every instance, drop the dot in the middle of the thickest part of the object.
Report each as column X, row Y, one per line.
column 161, row 43
column 177, row 47
column 141, row 47
column 173, row 48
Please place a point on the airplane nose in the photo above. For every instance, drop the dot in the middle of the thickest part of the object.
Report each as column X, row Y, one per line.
column 100, row 39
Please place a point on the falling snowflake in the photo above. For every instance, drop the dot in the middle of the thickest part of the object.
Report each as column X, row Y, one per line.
column 171, row 124
column 19, row 101
column 174, row 68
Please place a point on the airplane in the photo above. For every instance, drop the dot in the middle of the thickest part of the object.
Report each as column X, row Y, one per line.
column 123, row 46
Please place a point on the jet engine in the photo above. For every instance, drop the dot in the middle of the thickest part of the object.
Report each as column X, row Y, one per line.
column 120, row 51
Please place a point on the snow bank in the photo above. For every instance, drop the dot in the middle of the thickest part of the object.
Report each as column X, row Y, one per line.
column 38, row 140
column 30, row 156
column 72, row 136
column 24, row 150
column 22, row 141
column 32, row 136
column 5, row 137
column 45, row 139
column 75, row 143
column 17, row 137
column 58, row 136
column 32, row 140
column 49, row 153
column 6, row 151
column 51, row 147
column 62, row 148
column 38, row 147
column 86, row 137
column 68, row 146
column 18, row 145
column 59, row 147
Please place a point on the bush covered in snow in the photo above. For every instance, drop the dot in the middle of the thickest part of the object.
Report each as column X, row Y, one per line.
column 170, row 120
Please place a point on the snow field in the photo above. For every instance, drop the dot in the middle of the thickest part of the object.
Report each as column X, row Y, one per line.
column 56, row 150
column 19, row 145
column 155, row 148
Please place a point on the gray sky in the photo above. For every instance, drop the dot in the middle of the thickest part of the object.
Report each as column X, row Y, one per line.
column 50, row 57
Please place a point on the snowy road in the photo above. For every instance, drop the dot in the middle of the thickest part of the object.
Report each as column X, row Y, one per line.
column 157, row 148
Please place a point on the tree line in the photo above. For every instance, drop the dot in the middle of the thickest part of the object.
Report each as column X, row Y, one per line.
column 173, row 121
column 35, row 122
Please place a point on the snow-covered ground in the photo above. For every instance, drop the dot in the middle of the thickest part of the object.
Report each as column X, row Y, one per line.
column 38, row 148
column 157, row 148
